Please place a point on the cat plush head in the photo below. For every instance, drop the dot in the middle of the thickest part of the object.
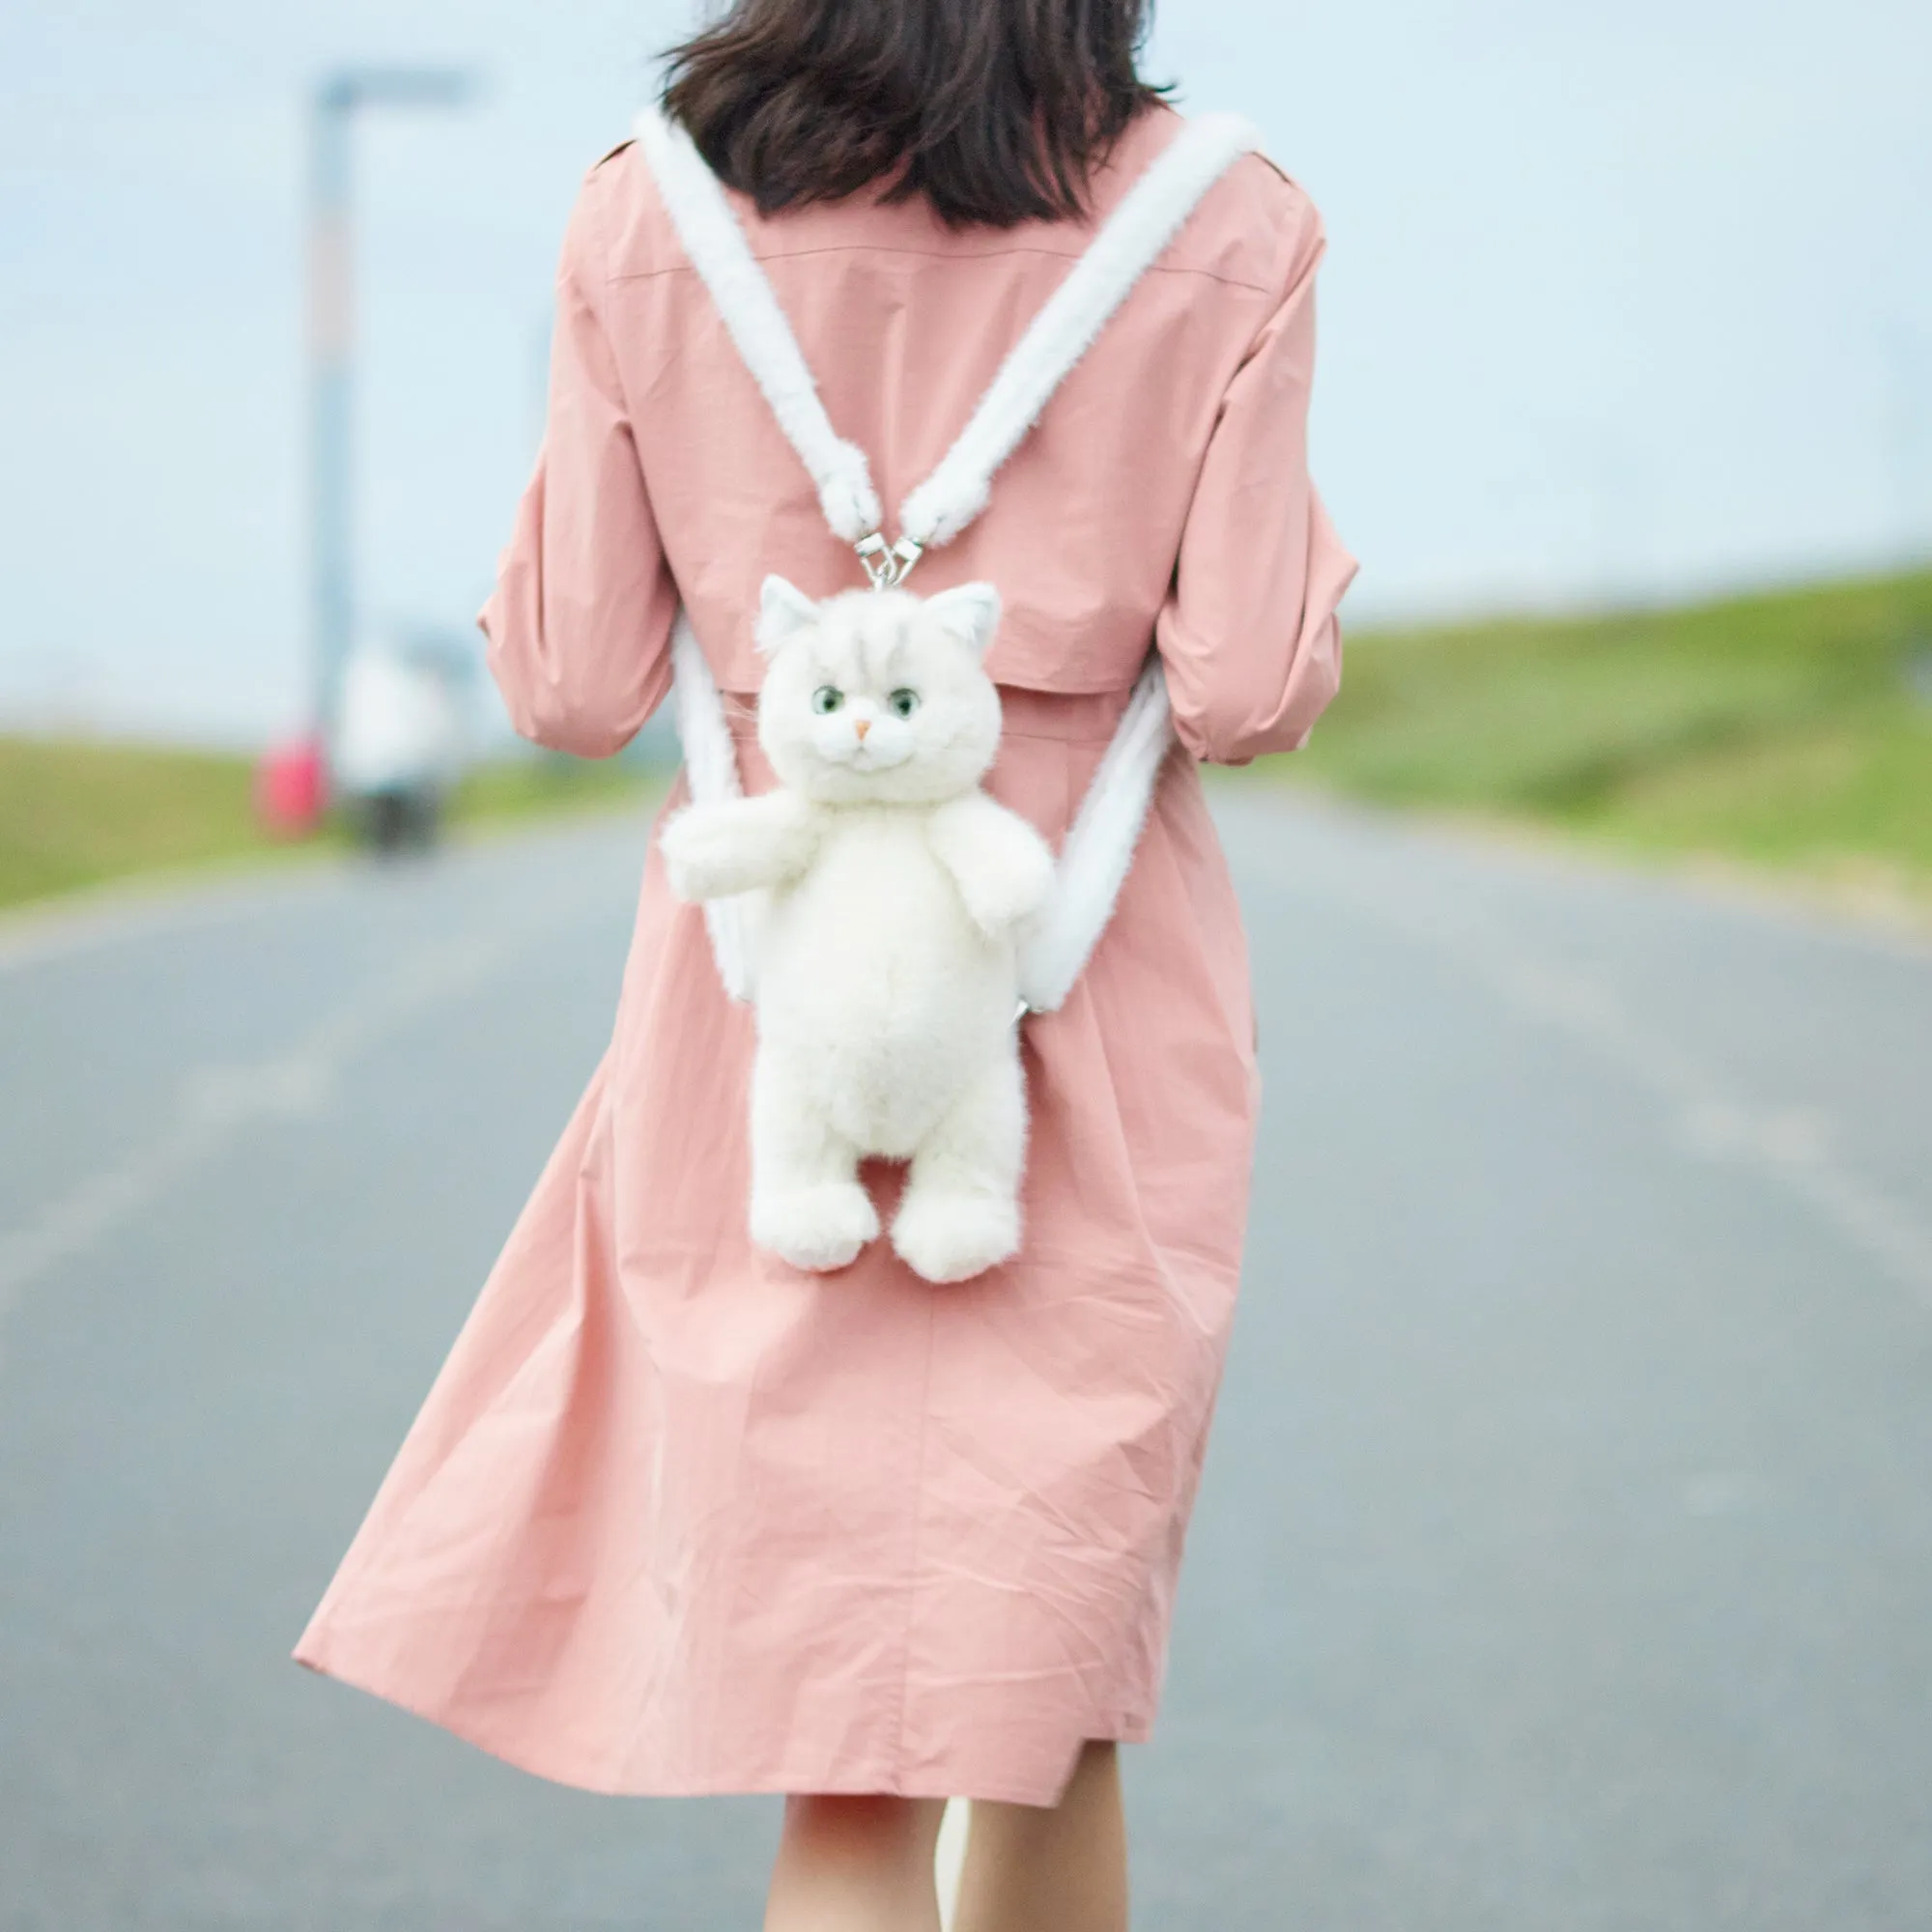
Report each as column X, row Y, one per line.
column 878, row 695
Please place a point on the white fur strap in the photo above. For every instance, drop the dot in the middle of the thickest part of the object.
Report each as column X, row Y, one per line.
column 725, row 262
column 1099, row 848
column 711, row 773
column 1129, row 243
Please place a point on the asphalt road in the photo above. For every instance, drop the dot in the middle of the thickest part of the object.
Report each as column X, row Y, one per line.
column 1565, row 1557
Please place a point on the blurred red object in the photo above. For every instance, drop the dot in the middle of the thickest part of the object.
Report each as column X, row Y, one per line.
column 292, row 788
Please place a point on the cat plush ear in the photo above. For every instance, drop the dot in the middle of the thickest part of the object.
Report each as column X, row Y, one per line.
column 783, row 611
column 970, row 612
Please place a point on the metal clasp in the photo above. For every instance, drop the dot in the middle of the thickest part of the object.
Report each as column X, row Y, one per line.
column 888, row 565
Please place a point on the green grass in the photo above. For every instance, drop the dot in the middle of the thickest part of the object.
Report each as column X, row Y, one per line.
column 1790, row 729
column 76, row 813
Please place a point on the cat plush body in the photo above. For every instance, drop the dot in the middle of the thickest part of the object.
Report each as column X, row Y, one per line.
column 886, row 981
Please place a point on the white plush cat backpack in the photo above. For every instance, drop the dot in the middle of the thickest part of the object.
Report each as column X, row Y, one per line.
column 889, row 921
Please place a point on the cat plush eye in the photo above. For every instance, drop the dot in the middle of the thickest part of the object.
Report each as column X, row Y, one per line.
column 828, row 698
column 904, row 702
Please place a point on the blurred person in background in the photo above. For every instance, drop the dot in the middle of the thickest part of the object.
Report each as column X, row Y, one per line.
column 400, row 739
column 679, row 1517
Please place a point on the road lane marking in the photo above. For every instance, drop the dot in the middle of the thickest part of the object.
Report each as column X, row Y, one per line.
column 157, row 903
column 1790, row 1146
column 219, row 1104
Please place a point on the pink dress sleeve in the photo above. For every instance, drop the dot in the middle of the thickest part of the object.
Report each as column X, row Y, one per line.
column 580, row 622
column 1249, row 637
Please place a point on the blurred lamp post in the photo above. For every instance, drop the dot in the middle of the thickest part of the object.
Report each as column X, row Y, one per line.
column 332, row 345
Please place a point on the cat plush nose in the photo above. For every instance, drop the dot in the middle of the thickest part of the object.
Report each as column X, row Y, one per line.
column 860, row 727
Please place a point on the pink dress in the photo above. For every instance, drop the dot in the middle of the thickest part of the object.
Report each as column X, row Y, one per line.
column 676, row 1519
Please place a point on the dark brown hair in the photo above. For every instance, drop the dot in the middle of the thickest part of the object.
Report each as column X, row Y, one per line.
column 995, row 111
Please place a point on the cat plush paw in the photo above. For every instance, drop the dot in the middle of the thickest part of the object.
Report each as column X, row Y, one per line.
column 1002, row 897
column 1000, row 866
column 716, row 850
column 704, row 851
column 945, row 1237
column 815, row 1229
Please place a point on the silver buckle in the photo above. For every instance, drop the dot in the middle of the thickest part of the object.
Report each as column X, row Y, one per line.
column 888, row 565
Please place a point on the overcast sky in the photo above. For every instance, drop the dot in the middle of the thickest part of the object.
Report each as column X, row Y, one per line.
column 1620, row 301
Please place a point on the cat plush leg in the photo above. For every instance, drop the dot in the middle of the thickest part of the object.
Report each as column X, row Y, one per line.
column 739, row 845
column 1002, row 866
column 960, row 1212
column 807, row 1206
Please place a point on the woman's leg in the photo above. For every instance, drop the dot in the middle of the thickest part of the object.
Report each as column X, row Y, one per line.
column 855, row 1864
column 1058, row 1871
